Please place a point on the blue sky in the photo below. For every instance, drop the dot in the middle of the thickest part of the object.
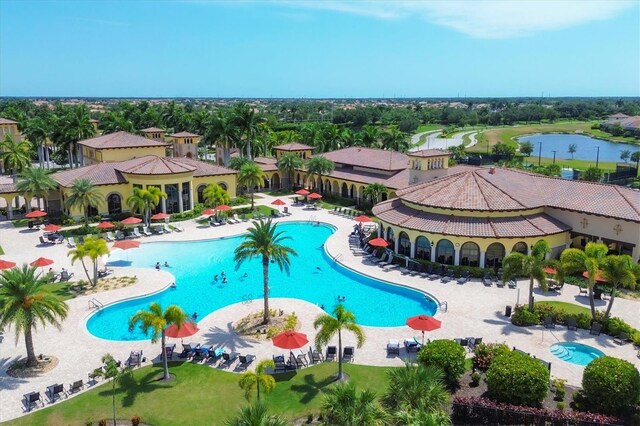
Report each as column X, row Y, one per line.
column 204, row 48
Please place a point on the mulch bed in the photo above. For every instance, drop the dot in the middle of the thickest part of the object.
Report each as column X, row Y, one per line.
column 19, row 369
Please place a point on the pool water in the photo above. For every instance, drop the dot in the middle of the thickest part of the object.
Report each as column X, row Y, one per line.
column 575, row 353
column 314, row 277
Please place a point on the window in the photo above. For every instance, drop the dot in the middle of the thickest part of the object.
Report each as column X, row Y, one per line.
column 390, row 236
column 423, row 248
column 494, row 256
column 470, row 254
column 520, row 248
column 404, row 244
column 445, row 252
column 114, row 204
column 201, row 193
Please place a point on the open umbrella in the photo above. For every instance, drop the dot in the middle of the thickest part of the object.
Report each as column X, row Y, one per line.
column 290, row 339
column 549, row 270
column 126, row 244
column 303, row 192
column 187, row 329
column 223, row 207
column 378, row 242
column 208, row 212
column 160, row 216
column 362, row 219
column 131, row 220
column 52, row 228
column 314, row 196
column 423, row 323
column 278, row 202
column 5, row 264
column 41, row 262
column 35, row 214
column 105, row 225
column 599, row 277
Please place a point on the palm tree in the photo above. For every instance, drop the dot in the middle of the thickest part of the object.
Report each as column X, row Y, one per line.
column 82, row 195
column 76, row 127
column 93, row 248
column 25, row 301
column 415, row 390
column 370, row 136
column 374, row 192
column 37, row 131
column 252, row 380
column 330, row 325
column 214, row 195
column 236, row 163
column 265, row 242
column 589, row 260
column 619, row 271
column 531, row 266
column 15, row 154
column 318, row 166
column 344, row 405
column 572, row 149
column 111, row 371
column 145, row 200
column 245, row 118
column 36, row 182
column 394, row 139
column 251, row 176
column 256, row 415
column 226, row 134
column 156, row 320
column 289, row 163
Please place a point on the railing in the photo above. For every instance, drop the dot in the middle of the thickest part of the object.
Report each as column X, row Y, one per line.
column 337, row 257
column 95, row 304
column 444, row 306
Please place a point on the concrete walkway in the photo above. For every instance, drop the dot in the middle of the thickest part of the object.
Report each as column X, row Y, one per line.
column 473, row 310
column 432, row 140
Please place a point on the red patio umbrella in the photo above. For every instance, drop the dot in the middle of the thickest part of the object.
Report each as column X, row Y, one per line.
column 35, row 214
column 52, row 228
column 223, row 207
column 314, row 196
column 41, row 262
column 159, row 216
column 378, row 242
column 187, row 329
column 549, row 270
column 303, row 192
column 362, row 218
column 290, row 339
column 5, row 264
column 278, row 202
column 423, row 323
column 126, row 244
column 599, row 277
column 208, row 212
column 131, row 220
column 105, row 225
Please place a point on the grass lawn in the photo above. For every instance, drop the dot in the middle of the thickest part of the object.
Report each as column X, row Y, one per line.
column 569, row 308
column 1, row 251
column 428, row 127
column 573, row 164
column 200, row 396
column 62, row 290
column 20, row 223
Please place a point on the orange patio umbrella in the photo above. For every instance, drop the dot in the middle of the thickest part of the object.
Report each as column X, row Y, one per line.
column 160, row 216
column 423, row 323
column 52, row 228
column 208, row 212
column 599, row 277
column 378, row 242
column 131, row 220
column 290, row 339
column 278, row 202
column 187, row 329
column 549, row 270
column 362, row 219
column 223, row 207
column 5, row 264
column 126, row 244
column 314, row 196
column 35, row 214
column 302, row 192
column 105, row 225
column 41, row 262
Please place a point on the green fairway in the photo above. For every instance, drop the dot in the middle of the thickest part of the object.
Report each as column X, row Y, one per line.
column 200, row 395
column 569, row 308
column 428, row 127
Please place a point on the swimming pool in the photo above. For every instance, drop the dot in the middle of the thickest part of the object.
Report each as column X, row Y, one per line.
column 314, row 277
column 575, row 353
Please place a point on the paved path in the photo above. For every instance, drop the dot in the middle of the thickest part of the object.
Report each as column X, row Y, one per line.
column 432, row 140
column 474, row 310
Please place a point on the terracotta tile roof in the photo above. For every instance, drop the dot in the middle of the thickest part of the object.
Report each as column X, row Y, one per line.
column 184, row 135
column 369, row 157
column 152, row 129
column 537, row 225
column 203, row 168
column 294, row 146
column 267, row 164
column 398, row 180
column 618, row 115
column 97, row 174
column 6, row 185
column 7, row 121
column 429, row 153
column 153, row 166
column 120, row 140
column 510, row 189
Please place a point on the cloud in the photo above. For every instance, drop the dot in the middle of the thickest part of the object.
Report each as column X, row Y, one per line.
column 488, row 19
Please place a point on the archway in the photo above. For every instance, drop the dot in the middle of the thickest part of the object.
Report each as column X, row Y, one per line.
column 222, row 185
column 520, row 247
column 494, row 256
column 352, row 191
column 423, row 248
column 404, row 244
column 114, row 203
column 172, row 201
column 470, row 254
column 189, row 155
column 200, row 193
column 275, row 181
column 390, row 236
column 327, row 186
column 445, row 252
column 344, row 190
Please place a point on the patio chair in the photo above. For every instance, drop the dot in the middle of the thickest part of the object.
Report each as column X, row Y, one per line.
column 169, row 349
column 596, row 329
column 135, row 359
column 136, row 233
column 94, row 375
column 201, row 353
column 43, row 241
column 377, row 261
column 109, row 236
column 434, row 275
column 245, row 361
column 55, row 391
column 229, row 358
column 412, row 345
column 157, row 230
column 32, row 399
column 145, row 231
column 571, row 324
column 65, row 275
column 463, row 342
column 464, row 278
column 621, row 338
column 60, row 239
column 71, row 242
column 279, row 362
column 583, row 291
column 348, row 353
column 513, row 284
column 119, row 235
column 393, row 347
column 447, row 277
column 188, row 350
column 178, row 228
column 104, row 272
column 332, row 353
column 286, row 211
column 549, row 322
column 76, row 386
column 486, row 280
column 166, row 229
column 316, row 356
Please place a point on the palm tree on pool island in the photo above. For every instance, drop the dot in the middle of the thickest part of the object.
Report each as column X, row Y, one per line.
column 531, row 266
column 331, row 324
column 156, row 321
column 589, row 261
column 25, row 302
column 265, row 242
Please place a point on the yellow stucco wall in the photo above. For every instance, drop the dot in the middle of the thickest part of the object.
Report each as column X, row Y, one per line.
column 303, row 153
column 125, row 190
column 228, row 180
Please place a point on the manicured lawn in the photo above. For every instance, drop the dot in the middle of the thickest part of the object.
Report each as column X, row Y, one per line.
column 200, row 396
column 61, row 290
column 569, row 308
column 428, row 127
column 20, row 223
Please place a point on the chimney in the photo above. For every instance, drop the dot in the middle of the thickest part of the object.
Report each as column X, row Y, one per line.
column 492, row 171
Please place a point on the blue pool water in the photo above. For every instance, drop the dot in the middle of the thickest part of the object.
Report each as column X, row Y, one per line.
column 313, row 277
column 575, row 353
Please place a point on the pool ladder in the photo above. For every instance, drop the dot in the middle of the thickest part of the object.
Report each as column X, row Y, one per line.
column 95, row 304
column 444, row 306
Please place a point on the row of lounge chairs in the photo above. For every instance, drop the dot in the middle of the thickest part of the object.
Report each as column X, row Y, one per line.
column 51, row 239
column 348, row 213
column 205, row 353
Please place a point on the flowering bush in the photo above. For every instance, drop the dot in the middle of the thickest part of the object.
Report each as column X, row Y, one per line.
column 446, row 355
column 484, row 354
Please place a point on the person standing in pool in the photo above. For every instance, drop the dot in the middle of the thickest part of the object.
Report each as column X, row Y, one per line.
column 157, row 266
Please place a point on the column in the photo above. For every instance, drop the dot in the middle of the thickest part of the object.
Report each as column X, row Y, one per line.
column 482, row 258
column 191, row 202
column 456, row 257
column 180, row 209
column 412, row 251
column 433, row 253
column 163, row 201
column 9, row 211
column 396, row 243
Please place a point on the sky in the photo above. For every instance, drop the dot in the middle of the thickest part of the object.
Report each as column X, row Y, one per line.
column 313, row 49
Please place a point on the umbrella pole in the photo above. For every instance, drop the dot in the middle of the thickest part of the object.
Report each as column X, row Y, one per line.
column 423, row 338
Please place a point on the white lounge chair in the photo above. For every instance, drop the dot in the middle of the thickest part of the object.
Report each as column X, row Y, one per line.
column 231, row 220
column 178, row 228
column 145, row 231
column 109, row 236
column 71, row 242
column 166, row 229
column 136, row 233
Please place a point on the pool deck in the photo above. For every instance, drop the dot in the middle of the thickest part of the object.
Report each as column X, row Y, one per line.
column 473, row 310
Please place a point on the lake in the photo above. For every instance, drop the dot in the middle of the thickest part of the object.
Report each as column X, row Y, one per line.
column 586, row 147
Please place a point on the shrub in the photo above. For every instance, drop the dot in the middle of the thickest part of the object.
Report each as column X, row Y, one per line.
column 522, row 316
column 102, row 422
column 135, row 420
column 560, row 391
column 485, row 353
column 611, row 385
column 516, row 378
column 561, row 405
column 447, row 355
column 475, row 379
column 291, row 321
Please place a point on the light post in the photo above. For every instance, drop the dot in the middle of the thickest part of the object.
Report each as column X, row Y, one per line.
column 554, row 156
column 597, row 156
column 539, row 153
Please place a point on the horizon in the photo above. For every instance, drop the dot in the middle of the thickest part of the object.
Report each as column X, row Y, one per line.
column 329, row 50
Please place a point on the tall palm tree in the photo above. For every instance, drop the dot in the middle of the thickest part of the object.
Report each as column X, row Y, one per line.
column 82, row 195
column 226, row 134
column 619, row 271
column 145, row 201
column 331, row 325
column 532, row 266
column 37, row 131
column 394, row 139
column 214, row 195
column 374, row 192
column 93, row 248
column 318, row 166
column 416, row 389
column 589, row 260
column 251, row 176
column 350, row 138
column 236, row 163
column 289, row 163
column 77, row 126
column 253, row 380
column 15, row 154
column 156, row 321
column 265, row 242
column 36, row 182
column 344, row 405
column 26, row 302
column 256, row 415
column 111, row 370
column 245, row 118
column 370, row 136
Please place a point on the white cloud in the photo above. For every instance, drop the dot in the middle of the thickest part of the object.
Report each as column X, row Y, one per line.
column 487, row 19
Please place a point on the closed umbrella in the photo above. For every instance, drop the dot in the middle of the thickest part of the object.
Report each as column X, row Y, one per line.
column 423, row 323
column 5, row 264
column 35, row 214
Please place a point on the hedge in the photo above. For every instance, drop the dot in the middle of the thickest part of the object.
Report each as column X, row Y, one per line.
column 485, row 353
column 447, row 355
column 611, row 385
column 516, row 378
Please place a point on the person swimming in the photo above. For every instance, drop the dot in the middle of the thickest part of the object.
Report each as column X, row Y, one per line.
column 245, row 275
column 215, row 277
column 173, row 285
column 166, row 264
column 194, row 316
column 157, row 266
column 223, row 273
column 224, row 280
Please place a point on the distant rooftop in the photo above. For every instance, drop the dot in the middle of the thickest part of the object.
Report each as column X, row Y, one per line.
column 294, row 146
column 152, row 129
column 120, row 140
column 7, row 121
column 369, row 157
column 429, row 153
column 184, row 135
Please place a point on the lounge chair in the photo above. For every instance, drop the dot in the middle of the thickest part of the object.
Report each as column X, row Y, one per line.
column 434, row 275
column 279, row 362
column 109, row 236
column 571, row 324
column 389, row 260
column 377, row 261
column 76, row 386
column 166, row 229
column 214, row 222
column 448, row 276
column 55, row 391
column 157, row 230
column 188, row 350
column 596, row 329
column 229, row 359
column 119, row 235
column 135, row 359
column 71, row 242
column 316, row 356
column 80, row 239
column 145, row 231
column 44, row 242
column 464, row 278
column 65, row 276
column 60, row 239
column 94, row 375
column 348, row 353
column 549, row 322
column 286, row 211
column 201, row 353
column 32, row 399
column 462, row 342
column 583, row 291
column 486, row 280
column 393, row 347
column 621, row 339
column 178, row 228
column 513, row 284
column 136, row 233
column 104, row 272
column 473, row 343
column 169, row 349
column 412, row 345
column 245, row 218
column 245, row 361
column 332, row 353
